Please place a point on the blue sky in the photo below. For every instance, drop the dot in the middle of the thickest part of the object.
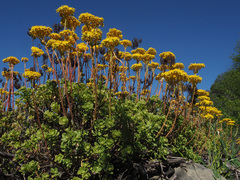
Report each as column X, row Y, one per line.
column 203, row 31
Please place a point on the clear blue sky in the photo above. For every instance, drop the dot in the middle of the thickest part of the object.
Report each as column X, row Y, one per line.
column 203, row 31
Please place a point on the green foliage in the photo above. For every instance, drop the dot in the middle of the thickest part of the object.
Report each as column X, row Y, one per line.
column 225, row 93
column 77, row 143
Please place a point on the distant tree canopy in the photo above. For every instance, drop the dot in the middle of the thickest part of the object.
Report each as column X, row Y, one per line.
column 224, row 92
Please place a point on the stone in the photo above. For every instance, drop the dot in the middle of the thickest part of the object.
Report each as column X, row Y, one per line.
column 193, row 171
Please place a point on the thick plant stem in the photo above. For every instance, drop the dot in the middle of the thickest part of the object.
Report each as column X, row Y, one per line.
column 110, row 88
column 59, row 87
column 159, row 132
column 39, row 123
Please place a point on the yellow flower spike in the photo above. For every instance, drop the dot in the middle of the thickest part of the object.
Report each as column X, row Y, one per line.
column 36, row 52
column 126, row 43
column 11, row 60
column 196, row 67
column 65, row 11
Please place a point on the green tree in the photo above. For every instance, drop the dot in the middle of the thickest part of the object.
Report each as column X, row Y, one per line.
column 225, row 93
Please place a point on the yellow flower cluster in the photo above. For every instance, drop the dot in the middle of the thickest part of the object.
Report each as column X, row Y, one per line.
column 136, row 67
column 194, row 79
column 119, row 93
column 177, row 66
column 201, row 98
column 206, row 103
column 8, row 74
column 102, row 66
column 36, row 52
column 147, row 58
column 121, row 68
column 126, row 43
column 45, row 66
column 238, row 142
column 138, row 51
column 126, row 55
column 114, row 33
column 59, row 45
column 153, row 65
column 89, row 84
column 82, row 47
column 132, row 77
column 55, row 36
column 167, row 55
column 137, row 56
column 110, row 42
column 175, row 76
column 71, row 22
column 11, row 60
column 91, row 20
column 2, row 91
column 229, row 121
column 24, row 59
column 31, row 75
column 201, row 92
column 48, row 70
column 91, row 35
column 212, row 110
column 196, row 67
column 145, row 92
column 65, row 11
column 207, row 116
column 151, row 51
column 124, row 78
column 163, row 67
column 159, row 77
column 40, row 31
column 69, row 35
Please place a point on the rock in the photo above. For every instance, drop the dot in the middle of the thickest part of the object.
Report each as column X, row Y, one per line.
column 193, row 171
